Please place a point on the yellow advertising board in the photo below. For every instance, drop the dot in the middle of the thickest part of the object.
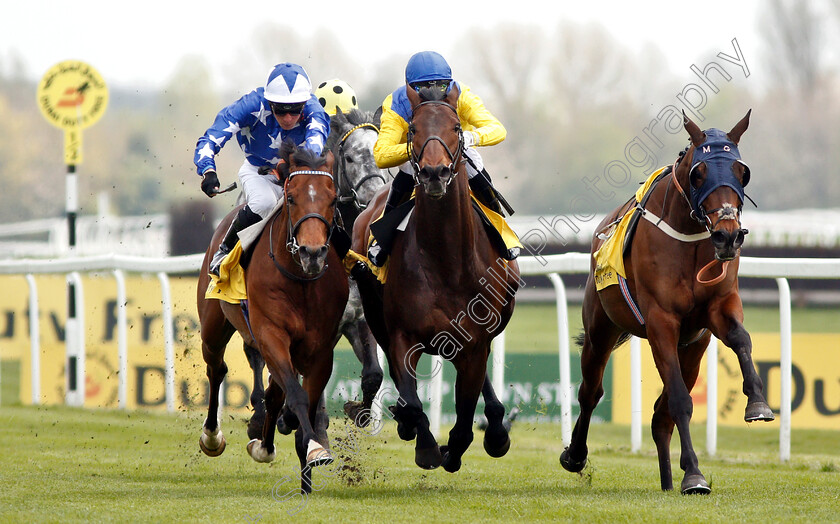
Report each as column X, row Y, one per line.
column 815, row 382
column 145, row 377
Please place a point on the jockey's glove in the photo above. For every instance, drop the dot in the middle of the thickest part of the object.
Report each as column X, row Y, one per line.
column 210, row 183
column 470, row 138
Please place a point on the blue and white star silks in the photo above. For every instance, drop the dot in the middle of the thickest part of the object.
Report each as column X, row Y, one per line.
column 258, row 133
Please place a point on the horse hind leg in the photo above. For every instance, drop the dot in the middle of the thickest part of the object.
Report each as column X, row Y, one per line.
column 598, row 341
column 364, row 346
column 496, row 438
column 263, row 450
column 212, row 440
column 257, row 364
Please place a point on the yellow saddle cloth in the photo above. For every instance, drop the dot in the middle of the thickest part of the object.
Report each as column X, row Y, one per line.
column 609, row 258
column 508, row 235
column 230, row 284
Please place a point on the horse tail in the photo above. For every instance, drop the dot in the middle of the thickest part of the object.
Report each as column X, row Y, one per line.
column 621, row 339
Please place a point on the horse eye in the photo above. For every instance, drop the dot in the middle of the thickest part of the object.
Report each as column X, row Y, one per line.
column 411, row 128
column 348, row 159
column 290, row 200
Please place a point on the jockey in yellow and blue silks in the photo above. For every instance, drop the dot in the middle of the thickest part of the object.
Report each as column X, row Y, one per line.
column 285, row 109
column 480, row 128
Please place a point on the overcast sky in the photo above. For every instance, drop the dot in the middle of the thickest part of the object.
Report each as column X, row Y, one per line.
column 139, row 44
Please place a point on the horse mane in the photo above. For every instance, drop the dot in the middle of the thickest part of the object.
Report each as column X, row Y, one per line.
column 303, row 156
column 342, row 122
column 431, row 94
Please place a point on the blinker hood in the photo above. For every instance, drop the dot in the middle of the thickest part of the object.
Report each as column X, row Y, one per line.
column 719, row 154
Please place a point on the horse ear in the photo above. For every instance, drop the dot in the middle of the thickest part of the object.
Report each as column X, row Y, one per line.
column 453, row 94
column 330, row 160
column 740, row 127
column 413, row 97
column 377, row 116
column 695, row 133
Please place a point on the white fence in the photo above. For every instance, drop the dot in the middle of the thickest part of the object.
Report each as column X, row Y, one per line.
column 552, row 266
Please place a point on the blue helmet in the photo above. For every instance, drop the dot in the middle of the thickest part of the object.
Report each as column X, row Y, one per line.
column 425, row 66
column 288, row 84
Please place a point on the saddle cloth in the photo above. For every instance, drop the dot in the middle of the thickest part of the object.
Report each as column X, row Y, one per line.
column 609, row 258
column 501, row 234
column 230, row 284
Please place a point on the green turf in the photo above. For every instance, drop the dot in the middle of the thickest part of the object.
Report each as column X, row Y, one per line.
column 69, row 465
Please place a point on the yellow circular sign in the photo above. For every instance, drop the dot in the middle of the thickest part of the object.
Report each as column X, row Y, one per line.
column 72, row 95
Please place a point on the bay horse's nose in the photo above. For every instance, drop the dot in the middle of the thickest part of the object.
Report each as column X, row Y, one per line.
column 435, row 179
column 727, row 242
column 312, row 259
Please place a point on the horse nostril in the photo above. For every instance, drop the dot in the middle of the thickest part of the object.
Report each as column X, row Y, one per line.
column 739, row 238
column 719, row 238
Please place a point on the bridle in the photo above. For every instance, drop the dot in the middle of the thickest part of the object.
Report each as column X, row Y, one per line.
column 292, row 245
column 415, row 157
column 344, row 182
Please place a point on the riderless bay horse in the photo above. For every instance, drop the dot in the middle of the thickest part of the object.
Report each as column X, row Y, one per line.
column 669, row 298
column 351, row 140
column 297, row 289
column 447, row 291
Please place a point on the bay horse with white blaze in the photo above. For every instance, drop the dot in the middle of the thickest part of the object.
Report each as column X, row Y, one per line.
column 666, row 298
column 297, row 288
column 447, row 291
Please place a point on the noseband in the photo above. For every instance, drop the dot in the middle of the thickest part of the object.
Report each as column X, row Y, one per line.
column 343, row 181
column 292, row 245
column 415, row 158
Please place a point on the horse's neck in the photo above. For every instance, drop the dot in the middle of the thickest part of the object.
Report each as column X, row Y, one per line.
column 445, row 227
column 672, row 207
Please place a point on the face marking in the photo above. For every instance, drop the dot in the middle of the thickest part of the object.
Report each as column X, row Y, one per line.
column 312, row 193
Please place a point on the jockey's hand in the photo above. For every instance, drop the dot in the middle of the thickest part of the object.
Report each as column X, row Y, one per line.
column 210, row 183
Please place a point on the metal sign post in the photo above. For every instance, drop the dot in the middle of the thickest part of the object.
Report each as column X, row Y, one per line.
column 72, row 96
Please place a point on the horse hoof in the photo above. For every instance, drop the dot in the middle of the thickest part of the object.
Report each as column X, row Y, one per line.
column 695, row 485
column 759, row 411
column 450, row 463
column 569, row 464
column 496, row 451
column 403, row 430
column 258, row 452
column 317, row 455
column 355, row 411
column 428, row 458
column 212, row 444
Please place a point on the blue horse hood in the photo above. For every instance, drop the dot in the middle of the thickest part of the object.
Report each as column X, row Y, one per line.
column 719, row 154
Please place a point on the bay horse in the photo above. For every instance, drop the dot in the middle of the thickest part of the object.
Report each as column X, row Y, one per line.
column 447, row 291
column 297, row 289
column 668, row 298
column 351, row 140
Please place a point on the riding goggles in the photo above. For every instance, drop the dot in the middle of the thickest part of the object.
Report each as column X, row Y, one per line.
column 285, row 109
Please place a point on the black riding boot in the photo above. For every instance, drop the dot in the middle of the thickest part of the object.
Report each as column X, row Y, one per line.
column 400, row 188
column 243, row 219
column 484, row 192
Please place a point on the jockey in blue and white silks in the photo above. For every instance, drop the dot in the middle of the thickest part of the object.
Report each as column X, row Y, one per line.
column 285, row 109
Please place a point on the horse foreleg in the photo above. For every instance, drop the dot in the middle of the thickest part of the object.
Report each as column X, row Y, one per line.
column 496, row 438
column 263, row 450
column 408, row 413
column 726, row 324
column 257, row 364
column 468, row 386
column 663, row 332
